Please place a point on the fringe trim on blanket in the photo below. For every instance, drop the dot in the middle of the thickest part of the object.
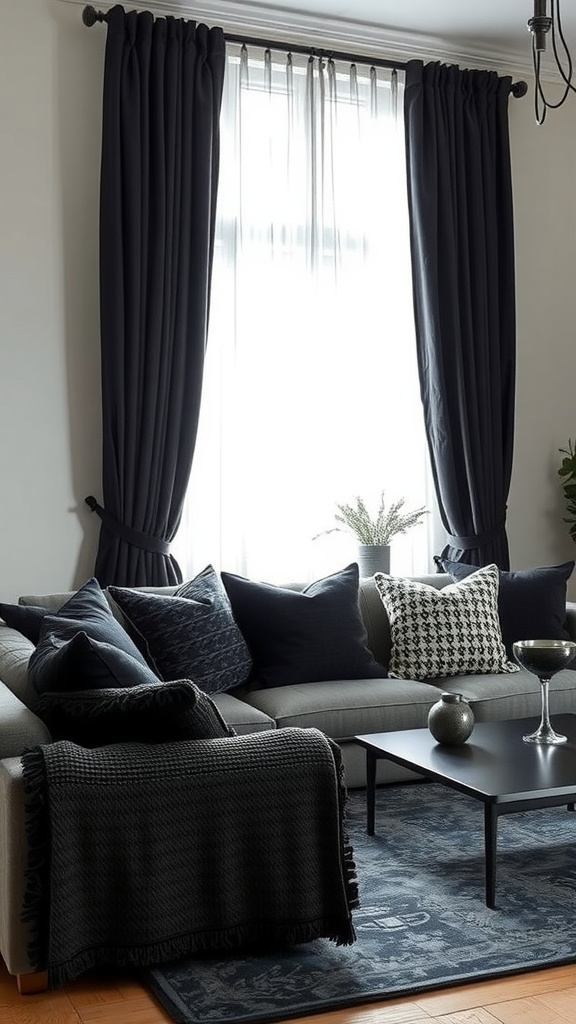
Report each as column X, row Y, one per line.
column 215, row 943
column 349, row 864
column 36, row 899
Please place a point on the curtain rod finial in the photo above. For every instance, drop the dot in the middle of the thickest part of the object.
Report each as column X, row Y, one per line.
column 89, row 16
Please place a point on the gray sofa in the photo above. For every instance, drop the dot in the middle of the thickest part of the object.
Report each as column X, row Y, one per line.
column 340, row 708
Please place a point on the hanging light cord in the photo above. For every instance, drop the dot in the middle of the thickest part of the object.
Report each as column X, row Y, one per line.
column 539, row 25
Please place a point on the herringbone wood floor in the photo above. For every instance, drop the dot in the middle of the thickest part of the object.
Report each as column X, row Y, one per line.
column 541, row 997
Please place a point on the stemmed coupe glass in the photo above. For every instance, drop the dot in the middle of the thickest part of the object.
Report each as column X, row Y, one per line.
column 544, row 658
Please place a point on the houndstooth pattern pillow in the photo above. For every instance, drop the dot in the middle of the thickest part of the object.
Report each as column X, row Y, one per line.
column 448, row 632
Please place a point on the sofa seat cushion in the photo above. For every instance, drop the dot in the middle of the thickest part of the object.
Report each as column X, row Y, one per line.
column 242, row 717
column 498, row 697
column 344, row 708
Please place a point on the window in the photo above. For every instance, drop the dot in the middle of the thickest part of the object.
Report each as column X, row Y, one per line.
column 310, row 392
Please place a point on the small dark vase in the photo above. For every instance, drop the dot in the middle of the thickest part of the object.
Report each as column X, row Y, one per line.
column 451, row 720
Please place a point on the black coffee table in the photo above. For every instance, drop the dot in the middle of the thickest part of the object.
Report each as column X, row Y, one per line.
column 494, row 766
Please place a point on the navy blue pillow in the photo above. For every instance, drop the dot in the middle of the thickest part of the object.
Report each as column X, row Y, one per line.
column 26, row 618
column 531, row 602
column 83, row 645
column 303, row 636
column 83, row 663
column 189, row 635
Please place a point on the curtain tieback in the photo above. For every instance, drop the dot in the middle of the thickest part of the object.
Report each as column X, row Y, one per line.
column 477, row 540
column 135, row 537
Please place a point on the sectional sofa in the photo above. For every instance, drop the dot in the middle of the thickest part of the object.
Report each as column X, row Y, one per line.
column 377, row 623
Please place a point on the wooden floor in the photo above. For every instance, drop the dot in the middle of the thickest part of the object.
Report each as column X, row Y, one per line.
column 541, row 997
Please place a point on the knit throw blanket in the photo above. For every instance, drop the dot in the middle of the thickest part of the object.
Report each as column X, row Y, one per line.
column 140, row 854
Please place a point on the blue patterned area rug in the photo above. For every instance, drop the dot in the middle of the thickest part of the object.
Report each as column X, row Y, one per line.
column 422, row 922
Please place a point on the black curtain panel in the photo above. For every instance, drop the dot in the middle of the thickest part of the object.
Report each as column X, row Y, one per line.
column 163, row 83
column 462, row 241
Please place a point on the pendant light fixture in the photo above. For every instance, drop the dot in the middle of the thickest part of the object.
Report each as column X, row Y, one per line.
column 543, row 25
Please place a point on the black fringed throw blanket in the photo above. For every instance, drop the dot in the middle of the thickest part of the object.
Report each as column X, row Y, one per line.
column 140, row 854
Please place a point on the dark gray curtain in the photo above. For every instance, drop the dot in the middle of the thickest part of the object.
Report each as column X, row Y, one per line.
column 461, row 222
column 163, row 83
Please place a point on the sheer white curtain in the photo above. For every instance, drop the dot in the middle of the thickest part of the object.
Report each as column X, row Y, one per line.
column 310, row 391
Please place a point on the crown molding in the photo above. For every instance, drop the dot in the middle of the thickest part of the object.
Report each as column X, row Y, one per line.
column 366, row 39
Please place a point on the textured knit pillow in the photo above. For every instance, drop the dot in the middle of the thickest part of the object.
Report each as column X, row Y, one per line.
column 531, row 602
column 83, row 645
column 190, row 635
column 303, row 637
column 448, row 632
column 151, row 713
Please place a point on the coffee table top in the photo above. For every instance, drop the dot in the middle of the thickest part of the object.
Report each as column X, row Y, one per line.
column 494, row 765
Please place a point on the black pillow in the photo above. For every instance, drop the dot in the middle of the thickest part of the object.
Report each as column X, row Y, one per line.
column 26, row 618
column 303, row 637
column 82, row 663
column 67, row 656
column 149, row 713
column 189, row 635
column 531, row 602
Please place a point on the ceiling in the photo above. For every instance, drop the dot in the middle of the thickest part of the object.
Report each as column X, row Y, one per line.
column 494, row 30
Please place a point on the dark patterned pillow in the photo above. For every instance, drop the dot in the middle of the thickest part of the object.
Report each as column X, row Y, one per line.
column 83, row 645
column 445, row 632
column 150, row 713
column 303, row 637
column 190, row 635
column 531, row 602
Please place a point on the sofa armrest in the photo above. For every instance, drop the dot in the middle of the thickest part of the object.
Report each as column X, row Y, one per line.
column 20, row 728
column 14, row 934
column 571, row 618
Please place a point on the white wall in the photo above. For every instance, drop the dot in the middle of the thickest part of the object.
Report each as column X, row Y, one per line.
column 544, row 180
column 50, row 100
column 50, row 421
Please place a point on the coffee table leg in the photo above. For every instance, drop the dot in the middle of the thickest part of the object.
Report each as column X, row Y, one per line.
column 490, row 838
column 370, row 791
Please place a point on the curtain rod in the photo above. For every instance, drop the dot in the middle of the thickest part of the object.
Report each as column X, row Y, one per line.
column 90, row 16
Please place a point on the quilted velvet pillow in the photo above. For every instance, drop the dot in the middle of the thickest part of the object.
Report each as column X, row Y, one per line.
column 83, row 645
column 531, row 602
column 189, row 635
column 149, row 713
column 448, row 632
column 303, row 637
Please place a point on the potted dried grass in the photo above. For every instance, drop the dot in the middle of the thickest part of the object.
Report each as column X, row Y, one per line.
column 375, row 532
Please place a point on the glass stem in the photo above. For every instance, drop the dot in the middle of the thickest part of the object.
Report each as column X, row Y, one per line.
column 545, row 723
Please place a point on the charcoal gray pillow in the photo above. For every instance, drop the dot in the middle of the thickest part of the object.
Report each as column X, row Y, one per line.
column 303, row 637
column 189, row 635
column 154, row 712
column 531, row 602
column 83, row 645
column 27, row 619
